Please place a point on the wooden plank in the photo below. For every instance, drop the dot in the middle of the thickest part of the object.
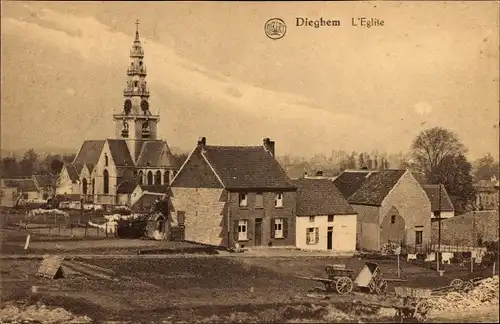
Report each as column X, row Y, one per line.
column 316, row 279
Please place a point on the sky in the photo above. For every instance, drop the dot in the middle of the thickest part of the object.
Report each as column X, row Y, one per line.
column 213, row 72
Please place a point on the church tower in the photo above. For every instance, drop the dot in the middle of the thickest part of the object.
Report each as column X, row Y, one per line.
column 135, row 123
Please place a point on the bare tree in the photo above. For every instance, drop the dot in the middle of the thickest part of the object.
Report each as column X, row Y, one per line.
column 431, row 146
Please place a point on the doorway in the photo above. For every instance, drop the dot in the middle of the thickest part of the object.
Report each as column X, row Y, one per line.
column 329, row 238
column 258, row 231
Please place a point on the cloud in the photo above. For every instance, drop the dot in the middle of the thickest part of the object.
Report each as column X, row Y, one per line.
column 423, row 108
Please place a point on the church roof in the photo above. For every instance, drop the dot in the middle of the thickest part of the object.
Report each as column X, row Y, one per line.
column 73, row 173
column 155, row 154
column 120, row 153
column 89, row 153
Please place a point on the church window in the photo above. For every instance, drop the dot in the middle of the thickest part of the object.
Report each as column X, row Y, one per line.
column 141, row 175
column 84, row 186
column 150, row 178
column 166, row 177
column 105, row 176
column 93, row 186
column 106, row 160
column 136, row 84
column 158, row 178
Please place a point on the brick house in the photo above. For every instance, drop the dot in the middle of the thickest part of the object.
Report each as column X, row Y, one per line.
column 325, row 220
column 391, row 206
column 441, row 205
column 235, row 194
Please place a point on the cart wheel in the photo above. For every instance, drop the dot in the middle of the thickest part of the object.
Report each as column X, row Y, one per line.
column 456, row 284
column 344, row 285
column 421, row 310
column 468, row 286
column 381, row 288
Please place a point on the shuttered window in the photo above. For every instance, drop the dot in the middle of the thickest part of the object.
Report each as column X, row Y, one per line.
column 279, row 228
column 241, row 230
column 312, row 235
column 259, row 200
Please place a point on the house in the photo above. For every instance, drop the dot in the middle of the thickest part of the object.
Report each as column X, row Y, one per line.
column 45, row 185
column 235, row 194
column 325, row 220
column 20, row 191
column 143, row 196
column 441, row 205
column 487, row 193
column 469, row 229
column 391, row 206
column 107, row 171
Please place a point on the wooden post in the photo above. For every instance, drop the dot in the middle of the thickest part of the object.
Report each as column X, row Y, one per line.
column 398, row 268
column 59, row 229
column 471, row 262
column 85, row 233
column 494, row 264
column 106, row 229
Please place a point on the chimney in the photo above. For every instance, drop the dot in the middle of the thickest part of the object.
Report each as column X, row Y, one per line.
column 269, row 146
column 202, row 142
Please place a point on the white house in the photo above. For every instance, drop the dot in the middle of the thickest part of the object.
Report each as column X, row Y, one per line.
column 325, row 220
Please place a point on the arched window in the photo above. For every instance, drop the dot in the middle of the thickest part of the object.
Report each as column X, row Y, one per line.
column 105, row 159
column 93, row 186
column 158, row 178
column 150, row 178
column 166, row 177
column 105, row 176
column 84, row 186
column 141, row 179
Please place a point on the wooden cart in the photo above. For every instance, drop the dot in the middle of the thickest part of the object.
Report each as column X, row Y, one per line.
column 338, row 279
column 413, row 303
column 370, row 278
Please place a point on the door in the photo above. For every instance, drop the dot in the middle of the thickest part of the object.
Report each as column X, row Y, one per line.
column 258, row 232
column 329, row 238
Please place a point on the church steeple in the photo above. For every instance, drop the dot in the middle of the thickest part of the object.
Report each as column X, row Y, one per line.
column 136, row 122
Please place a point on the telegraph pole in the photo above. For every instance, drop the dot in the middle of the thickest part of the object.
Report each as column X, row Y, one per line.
column 438, row 253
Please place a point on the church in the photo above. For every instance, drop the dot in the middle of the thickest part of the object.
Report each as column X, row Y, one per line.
column 107, row 171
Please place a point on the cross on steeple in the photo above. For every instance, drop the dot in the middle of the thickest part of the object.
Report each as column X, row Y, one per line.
column 137, row 25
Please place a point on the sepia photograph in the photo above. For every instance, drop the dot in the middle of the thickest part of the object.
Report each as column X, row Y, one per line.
column 249, row 162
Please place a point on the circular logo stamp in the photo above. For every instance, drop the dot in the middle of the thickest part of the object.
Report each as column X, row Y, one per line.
column 275, row 28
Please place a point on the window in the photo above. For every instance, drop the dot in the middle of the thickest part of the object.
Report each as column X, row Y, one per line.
column 278, row 201
column 437, row 213
column 311, row 219
column 242, row 230
column 141, row 175
column 158, row 178
column 150, row 178
column 105, row 159
column 312, row 235
column 243, row 199
column 259, row 200
column 84, row 186
column 330, row 218
column 278, row 228
column 418, row 237
column 166, row 177
column 93, row 186
column 105, row 175
column 393, row 219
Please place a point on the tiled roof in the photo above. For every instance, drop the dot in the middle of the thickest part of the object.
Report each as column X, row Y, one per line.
column 78, row 167
column 120, row 153
column 245, row 167
column 43, row 181
column 432, row 192
column 72, row 172
column 348, row 182
column 155, row 188
column 374, row 190
column 89, row 153
column 127, row 186
column 146, row 201
column 155, row 154
column 24, row 185
column 320, row 197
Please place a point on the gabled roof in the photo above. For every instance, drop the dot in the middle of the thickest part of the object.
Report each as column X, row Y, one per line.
column 43, row 181
column 432, row 192
column 78, row 168
column 72, row 172
column 245, row 167
column 348, row 182
column 320, row 197
column 374, row 190
column 155, row 188
column 146, row 201
column 89, row 152
column 119, row 152
column 155, row 154
column 126, row 186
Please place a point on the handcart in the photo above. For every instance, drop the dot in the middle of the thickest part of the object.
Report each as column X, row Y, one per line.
column 370, row 278
column 413, row 303
column 338, row 279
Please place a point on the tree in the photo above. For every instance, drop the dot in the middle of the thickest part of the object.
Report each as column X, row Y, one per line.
column 369, row 162
column 10, row 168
column 361, row 160
column 454, row 172
column 29, row 163
column 485, row 168
column 431, row 146
column 375, row 163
